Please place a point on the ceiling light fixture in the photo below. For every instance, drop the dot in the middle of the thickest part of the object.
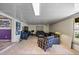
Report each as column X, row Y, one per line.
column 36, row 8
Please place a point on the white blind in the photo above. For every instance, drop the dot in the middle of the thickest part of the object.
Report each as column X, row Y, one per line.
column 39, row 28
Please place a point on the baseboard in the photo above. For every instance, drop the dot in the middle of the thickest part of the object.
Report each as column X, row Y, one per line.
column 5, row 40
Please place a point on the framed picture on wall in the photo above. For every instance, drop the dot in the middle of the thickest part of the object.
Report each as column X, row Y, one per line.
column 5, row 23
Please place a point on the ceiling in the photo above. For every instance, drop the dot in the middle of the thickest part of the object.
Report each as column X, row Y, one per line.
column 49, row 12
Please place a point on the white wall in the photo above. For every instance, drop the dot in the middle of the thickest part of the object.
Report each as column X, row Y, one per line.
column 65, row 27
column 33, row 27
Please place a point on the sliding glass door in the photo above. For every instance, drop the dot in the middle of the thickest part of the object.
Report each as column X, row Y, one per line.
column 76, row 35
column 76, row 31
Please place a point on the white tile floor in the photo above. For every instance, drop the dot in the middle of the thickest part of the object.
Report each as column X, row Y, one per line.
column 4, row 44
column 30, row 47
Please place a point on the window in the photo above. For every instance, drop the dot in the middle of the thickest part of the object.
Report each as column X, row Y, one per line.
column 39, row 28
column 76, row 31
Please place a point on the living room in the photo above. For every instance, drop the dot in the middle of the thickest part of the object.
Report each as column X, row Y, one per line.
column 27, row 31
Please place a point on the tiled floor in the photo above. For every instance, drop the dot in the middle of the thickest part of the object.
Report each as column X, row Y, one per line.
column 30, row 47
column 4, row 44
